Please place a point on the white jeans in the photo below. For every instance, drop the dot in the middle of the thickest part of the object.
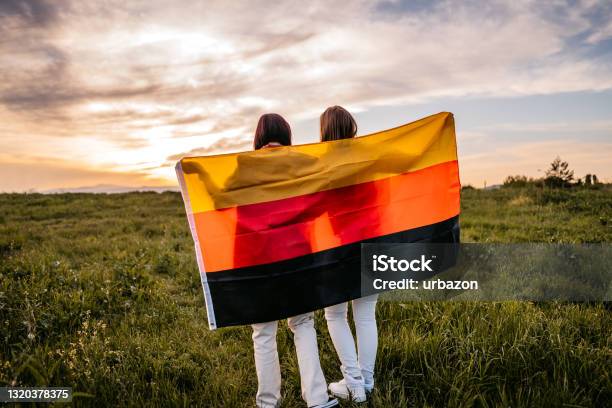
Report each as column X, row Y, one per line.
column 314, row 387
column 357, row 365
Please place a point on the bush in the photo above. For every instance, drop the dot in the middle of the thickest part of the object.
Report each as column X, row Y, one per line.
column 517, row 181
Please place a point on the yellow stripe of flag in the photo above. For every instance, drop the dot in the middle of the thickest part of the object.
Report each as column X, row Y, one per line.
column 215, row 182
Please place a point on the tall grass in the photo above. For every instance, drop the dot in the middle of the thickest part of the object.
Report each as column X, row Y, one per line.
column 102, row 293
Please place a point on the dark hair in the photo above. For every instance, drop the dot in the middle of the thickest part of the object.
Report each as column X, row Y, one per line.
column 272, row 127
column 337, row 123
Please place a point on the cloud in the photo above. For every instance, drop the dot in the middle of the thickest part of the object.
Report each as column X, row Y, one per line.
column 224, row 145
column 552, row 127
column 33, row 12
column 40, row 97
column 600, row 34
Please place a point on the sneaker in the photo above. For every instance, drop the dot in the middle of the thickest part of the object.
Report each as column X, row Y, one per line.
column 369, row 387
column 341, row 390
column 331, row 403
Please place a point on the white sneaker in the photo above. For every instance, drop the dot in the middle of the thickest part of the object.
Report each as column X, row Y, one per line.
column 369, row 387
column 341, row 390
column 331, row 403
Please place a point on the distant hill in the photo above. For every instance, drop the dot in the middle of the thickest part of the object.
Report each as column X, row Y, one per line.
column 109, row 189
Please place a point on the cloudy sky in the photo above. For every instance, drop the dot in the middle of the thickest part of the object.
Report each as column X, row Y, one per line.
column 112, row 92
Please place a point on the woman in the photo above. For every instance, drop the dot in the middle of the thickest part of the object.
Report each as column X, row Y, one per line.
column 273, row 131
column 357, row 365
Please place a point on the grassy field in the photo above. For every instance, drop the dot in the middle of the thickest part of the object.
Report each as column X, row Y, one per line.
column 102, row 293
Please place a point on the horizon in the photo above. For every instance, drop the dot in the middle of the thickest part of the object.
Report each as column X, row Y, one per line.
column 122, row 188
column 114, row 93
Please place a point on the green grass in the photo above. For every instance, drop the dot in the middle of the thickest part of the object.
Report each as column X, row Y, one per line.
column 102, row 293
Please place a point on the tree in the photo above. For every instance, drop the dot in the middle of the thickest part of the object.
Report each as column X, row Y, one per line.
column 588, row 180
column 595, row 179
column 559, row 174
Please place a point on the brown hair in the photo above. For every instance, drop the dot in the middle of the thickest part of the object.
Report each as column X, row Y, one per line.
column 337, row 123
column 272, row 127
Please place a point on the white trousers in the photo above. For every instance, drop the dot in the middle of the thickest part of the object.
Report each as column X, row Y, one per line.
column 357, row 365
column 314, row 387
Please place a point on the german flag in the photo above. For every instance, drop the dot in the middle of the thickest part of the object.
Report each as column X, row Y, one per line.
column 278, row 231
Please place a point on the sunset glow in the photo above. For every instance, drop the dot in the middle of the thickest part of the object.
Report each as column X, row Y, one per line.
column 114, row 92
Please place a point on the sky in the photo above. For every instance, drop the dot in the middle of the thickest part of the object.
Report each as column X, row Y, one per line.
column 114, row 92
